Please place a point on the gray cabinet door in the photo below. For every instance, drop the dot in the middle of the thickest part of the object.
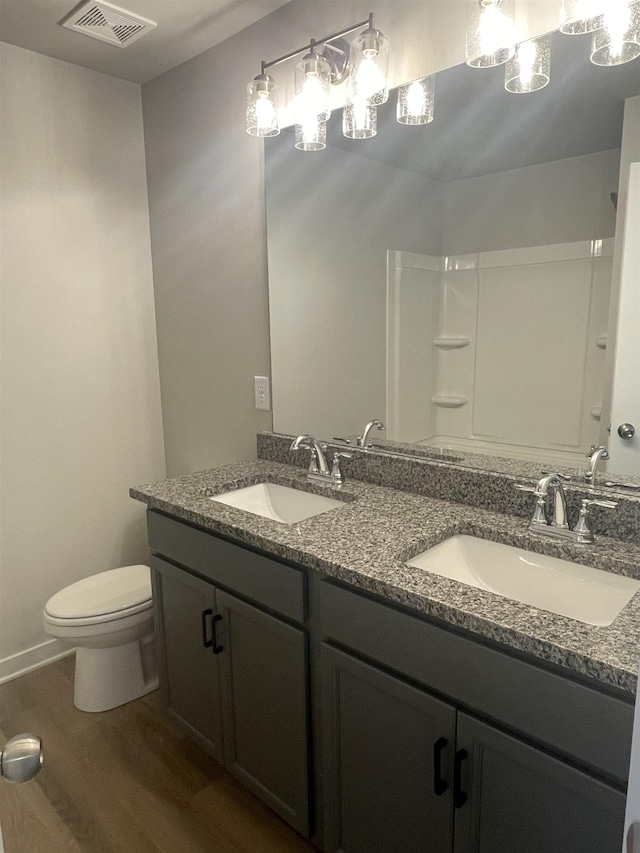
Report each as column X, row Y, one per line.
column 264, row 678
column 521, row 800
column 387, row 763
column 190, row 677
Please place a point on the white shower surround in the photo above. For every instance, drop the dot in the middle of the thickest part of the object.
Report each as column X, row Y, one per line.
column 456, row 315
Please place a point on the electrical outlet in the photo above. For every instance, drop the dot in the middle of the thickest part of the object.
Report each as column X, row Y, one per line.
column 262, row 393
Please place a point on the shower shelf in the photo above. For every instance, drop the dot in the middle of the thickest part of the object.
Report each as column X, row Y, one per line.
column 451, row 342
column 450, row 401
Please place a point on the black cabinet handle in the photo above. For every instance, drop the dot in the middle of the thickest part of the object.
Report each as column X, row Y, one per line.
column 207, row 635
column 216, row 648
column 439, row 784
column 459, row 796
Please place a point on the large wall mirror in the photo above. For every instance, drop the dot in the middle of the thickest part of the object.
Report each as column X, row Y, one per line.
column 454, row 279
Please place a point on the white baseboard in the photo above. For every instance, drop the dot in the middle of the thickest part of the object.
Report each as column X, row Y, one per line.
column 26, row 661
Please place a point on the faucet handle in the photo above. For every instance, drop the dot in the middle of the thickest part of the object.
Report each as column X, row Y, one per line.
column 336, row 473
column 349, row 440
column 539, row 518
column 564, row 477
column 582, row 529
column 587, row 502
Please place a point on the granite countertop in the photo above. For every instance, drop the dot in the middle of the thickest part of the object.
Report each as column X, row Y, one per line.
column 366, row 542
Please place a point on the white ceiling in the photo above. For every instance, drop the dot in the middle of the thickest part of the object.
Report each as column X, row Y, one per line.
column 185, row 29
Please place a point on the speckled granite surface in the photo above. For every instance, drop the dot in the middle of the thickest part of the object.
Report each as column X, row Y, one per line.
column 487, row 489
column 366, row 542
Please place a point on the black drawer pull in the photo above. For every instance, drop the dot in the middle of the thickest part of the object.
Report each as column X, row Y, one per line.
column 216, row 648
column 439, row 784
column 207, row 634
column 459, row 796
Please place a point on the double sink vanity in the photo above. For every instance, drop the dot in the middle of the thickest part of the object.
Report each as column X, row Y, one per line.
column 392, row 670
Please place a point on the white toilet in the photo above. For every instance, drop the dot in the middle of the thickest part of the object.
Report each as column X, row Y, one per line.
column 109, row 617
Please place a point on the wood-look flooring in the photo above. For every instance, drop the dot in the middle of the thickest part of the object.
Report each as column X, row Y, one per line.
column 124, row 780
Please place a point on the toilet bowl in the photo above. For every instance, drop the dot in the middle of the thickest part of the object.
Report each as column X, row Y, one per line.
column 109, row 618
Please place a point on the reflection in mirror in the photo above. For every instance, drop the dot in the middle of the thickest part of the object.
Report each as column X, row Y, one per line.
column 454, row 278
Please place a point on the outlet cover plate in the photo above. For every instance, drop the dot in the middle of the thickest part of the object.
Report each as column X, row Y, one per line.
column 262, row 393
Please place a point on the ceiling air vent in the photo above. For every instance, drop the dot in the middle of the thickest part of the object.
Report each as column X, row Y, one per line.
column 108, row 23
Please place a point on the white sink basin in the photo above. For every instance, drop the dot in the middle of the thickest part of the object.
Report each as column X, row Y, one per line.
column 568, row 589
column 279, row 503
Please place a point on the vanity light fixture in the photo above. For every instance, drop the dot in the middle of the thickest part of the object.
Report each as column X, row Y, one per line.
column 312, row 87
column 368, row 68
column 311, row 102
column 581, row 16
column 490, row 32
column 618, row 40
column 530, row 67
column 359, row 121
column 327, row 61
column 262, row 106
column 415, row 101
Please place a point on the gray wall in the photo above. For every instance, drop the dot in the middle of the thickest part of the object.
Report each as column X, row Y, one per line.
column 559, row 202
column 80, row 421
column 209, row 256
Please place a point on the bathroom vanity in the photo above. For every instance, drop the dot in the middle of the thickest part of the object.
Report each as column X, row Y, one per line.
column 381, row 708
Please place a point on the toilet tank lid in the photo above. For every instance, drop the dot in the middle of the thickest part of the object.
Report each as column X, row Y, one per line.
column 107, row 592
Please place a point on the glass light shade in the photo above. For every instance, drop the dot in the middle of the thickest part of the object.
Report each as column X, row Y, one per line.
column 312, row 88
column 359, row 121
column 415, row 102
column 262, row 107
column 312, row 135
column 369, row 69
column 619, row 39
column 581, row 16
column 530, row 68
column 490, row 32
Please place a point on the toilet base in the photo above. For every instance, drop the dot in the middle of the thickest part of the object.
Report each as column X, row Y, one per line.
column 108, row 677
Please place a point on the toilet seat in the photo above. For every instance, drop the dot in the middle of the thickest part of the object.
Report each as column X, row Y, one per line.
column 105, row 597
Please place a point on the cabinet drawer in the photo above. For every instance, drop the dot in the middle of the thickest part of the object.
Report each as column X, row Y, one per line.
column 273, row 585
column 571, row 718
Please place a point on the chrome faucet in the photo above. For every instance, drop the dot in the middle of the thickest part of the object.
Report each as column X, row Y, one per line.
column 554, row 482
column 559, row 526
column 318, row 463
column 596, row 454
column 362, row 440
column 539, row 524
column 318, row 466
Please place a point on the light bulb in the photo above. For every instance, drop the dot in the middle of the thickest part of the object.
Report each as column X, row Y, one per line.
column 262, row 108
column 617, row 19
column 370, row 78
column 530, row 68
column 415, row 102
column 311, row 134
column 359, row 120
column 265, row 111
column 494, row 28
column 490, row 33
column 416, row 99
column 527, row 56
column 312, row 88
column 368, row 68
